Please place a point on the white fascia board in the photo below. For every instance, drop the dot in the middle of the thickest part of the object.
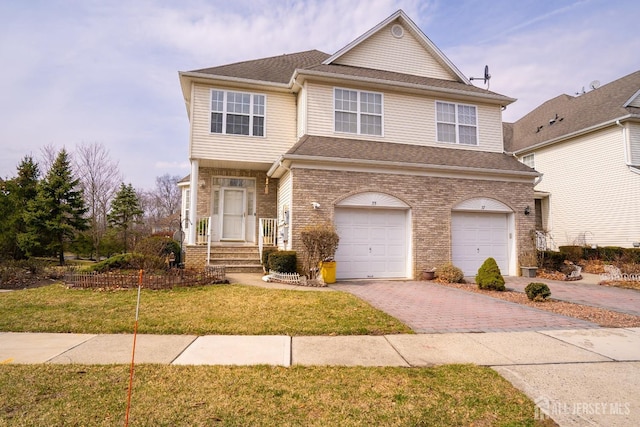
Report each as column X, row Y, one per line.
column 237, row 81
column 633, row 98
column 402, row 168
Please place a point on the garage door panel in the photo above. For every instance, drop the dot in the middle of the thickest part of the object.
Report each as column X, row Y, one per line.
column 372, row 243
column 478, row 236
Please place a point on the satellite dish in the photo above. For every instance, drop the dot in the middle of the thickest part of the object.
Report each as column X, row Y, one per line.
column 594, row 84
column 486, row 77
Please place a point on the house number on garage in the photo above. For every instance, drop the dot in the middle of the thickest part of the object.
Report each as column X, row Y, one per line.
column 373, row 203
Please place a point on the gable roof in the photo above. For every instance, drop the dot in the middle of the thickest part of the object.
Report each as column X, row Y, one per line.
column 405, row 156
column 282, row 71
column 402, row 17
column 565, row 115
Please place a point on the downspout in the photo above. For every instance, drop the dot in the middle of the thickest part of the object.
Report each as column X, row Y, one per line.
column 625, row 147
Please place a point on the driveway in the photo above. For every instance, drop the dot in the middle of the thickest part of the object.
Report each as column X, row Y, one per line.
column 427, row 307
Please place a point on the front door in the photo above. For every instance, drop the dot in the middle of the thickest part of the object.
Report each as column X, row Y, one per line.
column 233, row 213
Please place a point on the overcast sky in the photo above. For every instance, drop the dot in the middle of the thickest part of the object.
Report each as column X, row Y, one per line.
column 103, row 71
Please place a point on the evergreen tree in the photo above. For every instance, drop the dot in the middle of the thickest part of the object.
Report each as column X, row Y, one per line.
column 56, row 213
column 14, row 195
column 125, row 211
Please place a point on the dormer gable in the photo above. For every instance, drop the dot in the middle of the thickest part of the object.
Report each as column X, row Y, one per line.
column 634, row 101
column 398, row 45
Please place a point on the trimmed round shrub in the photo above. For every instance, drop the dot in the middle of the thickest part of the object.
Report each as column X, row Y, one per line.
column 266, row 251
column 537, row 291
column 449, row 273
column 489, row 276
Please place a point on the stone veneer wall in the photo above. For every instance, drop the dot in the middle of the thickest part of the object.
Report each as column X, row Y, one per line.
column 430, row 198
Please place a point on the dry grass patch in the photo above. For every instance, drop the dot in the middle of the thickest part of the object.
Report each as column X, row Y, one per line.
column 209, row 310
column 264, row 396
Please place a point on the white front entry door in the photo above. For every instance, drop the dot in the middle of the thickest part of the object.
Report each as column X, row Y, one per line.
column 478, row 236
column 373, row 243
column 233, row 214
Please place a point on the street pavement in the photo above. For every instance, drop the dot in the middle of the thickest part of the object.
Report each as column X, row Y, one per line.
column 576, row 372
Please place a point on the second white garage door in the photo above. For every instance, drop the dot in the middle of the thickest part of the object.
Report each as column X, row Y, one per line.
column 478, row 236
column 373, row 243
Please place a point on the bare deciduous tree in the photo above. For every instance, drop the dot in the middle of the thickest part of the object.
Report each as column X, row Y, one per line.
column 99, row 178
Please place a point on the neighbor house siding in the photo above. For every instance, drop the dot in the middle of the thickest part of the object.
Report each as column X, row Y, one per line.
column 408, row 119
column 280, row 131
column 595, row 199
column 430, row 199
column 634, row 143
column 382, row 51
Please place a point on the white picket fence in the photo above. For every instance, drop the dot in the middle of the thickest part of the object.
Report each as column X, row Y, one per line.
column 613, row 273
column 288, row 278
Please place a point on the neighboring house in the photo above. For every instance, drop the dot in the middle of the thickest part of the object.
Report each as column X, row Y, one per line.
column 386, row 138
column 587, row 148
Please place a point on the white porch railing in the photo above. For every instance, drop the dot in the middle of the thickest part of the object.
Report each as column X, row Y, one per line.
column 203, row 234
column 267, row 232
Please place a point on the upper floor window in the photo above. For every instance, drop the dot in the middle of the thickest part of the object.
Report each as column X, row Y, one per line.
column 237, row 113
column 457, row 123
column 357, row 112
column 529, row 160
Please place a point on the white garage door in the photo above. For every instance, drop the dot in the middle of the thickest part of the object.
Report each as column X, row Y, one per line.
column 478, row 236
column 373, row 243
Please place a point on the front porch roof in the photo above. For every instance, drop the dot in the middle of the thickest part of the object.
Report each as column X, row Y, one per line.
column 388, row 155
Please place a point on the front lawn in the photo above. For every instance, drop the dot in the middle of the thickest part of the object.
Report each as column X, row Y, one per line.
column 209, row 310
column 260, row 396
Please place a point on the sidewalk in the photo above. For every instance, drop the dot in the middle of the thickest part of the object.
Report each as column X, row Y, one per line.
column 567, row 373
column 488, row 349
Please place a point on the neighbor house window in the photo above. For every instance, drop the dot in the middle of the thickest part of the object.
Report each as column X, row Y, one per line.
column 457, row 123
column 357, row 112
column 529, row 160
column 237, row 113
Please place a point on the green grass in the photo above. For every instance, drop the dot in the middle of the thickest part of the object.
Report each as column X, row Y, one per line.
column 209, row 310
column 260, row 396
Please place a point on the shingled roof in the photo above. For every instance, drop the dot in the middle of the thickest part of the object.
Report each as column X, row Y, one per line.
column 280, row 69
column 318, row 147
column 566, row 115
column 276, row 69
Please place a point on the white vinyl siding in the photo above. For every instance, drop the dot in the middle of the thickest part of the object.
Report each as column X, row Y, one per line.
column 456, row 123
column 280, row 131
column 634, row 143
column 237, row 113
column 357, row 112
column 284, row 209
column 382, row 51
column 417, row 128
column 594, row 197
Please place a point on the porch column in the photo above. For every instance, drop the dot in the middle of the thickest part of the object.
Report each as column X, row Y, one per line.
column 193, row 205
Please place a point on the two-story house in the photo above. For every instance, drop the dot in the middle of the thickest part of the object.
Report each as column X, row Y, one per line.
column 386, row 138
column 587, row 148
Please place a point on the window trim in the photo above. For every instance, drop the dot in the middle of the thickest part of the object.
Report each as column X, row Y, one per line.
column 457, row 123
column 359, row 112
column 225, row 112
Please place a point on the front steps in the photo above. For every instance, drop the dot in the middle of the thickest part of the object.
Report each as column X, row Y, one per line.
column 236, row 258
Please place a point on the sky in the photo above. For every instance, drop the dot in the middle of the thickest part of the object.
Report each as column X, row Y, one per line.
column 106, row 71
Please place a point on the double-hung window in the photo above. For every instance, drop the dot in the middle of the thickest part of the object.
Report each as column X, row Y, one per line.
column 357, row 112
column 457, row 123
column 237, row 113
column 529, row 160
